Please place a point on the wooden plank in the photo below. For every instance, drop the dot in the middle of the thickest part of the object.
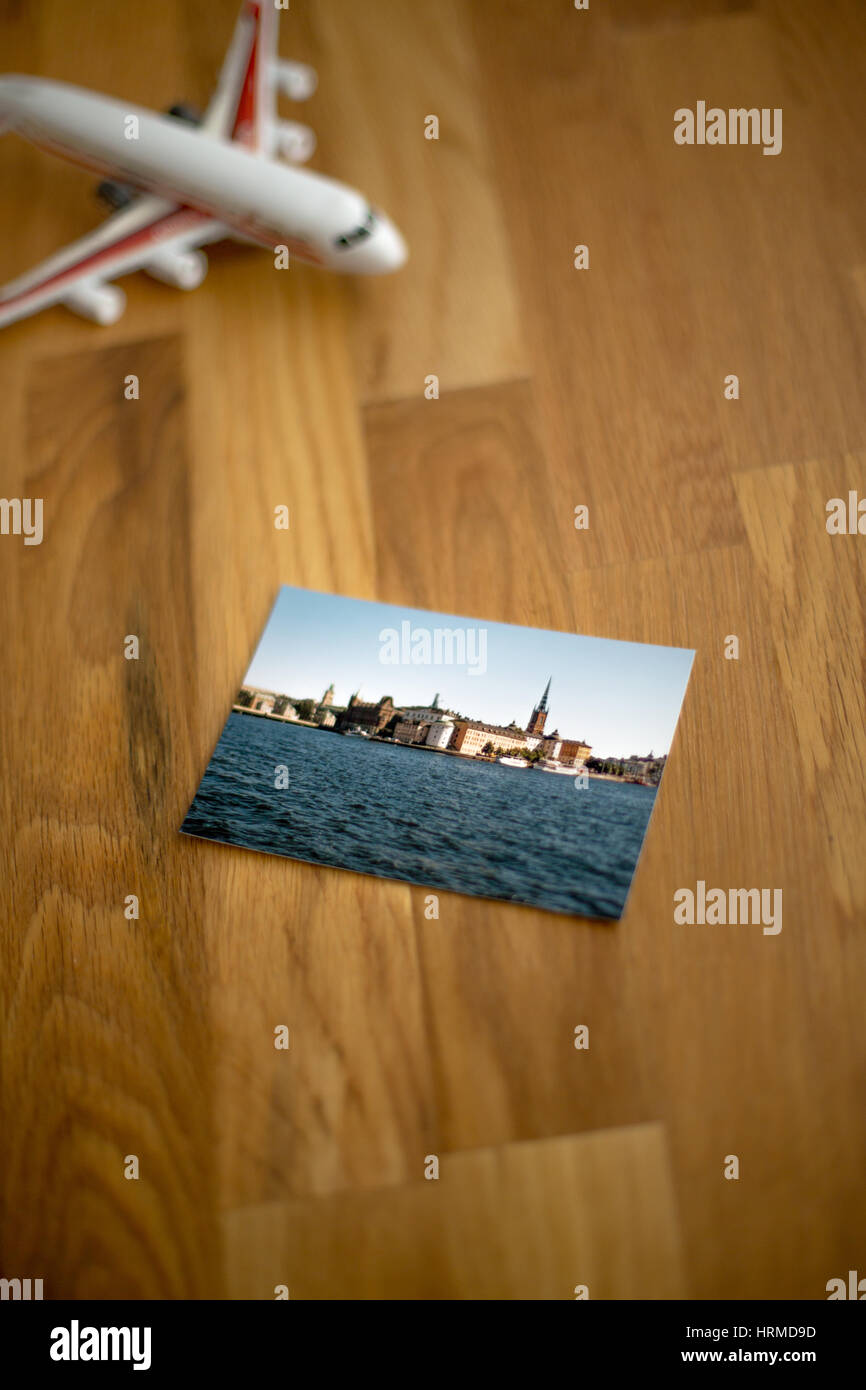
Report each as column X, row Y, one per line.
column 382, row 72
column 102, row 1056
column 703, row 262
column 521, row 1221
column 332, row 956
column 459, row 483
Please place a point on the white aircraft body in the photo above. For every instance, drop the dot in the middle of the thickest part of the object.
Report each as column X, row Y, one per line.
column 195, row 183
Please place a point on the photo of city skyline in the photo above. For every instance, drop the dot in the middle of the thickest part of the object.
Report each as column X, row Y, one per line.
column 424, row 726
column 626, row 694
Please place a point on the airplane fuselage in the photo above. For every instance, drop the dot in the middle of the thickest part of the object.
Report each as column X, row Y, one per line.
column 261, row 198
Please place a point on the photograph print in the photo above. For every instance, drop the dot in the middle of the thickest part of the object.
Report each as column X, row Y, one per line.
column 473, row 757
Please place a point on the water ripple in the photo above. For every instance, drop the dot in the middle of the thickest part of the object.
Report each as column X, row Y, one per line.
column 439, row 822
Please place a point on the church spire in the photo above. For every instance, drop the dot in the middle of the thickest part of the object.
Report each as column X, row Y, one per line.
column 539, row 714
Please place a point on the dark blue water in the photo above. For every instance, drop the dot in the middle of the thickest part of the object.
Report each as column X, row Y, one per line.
column 433, row 820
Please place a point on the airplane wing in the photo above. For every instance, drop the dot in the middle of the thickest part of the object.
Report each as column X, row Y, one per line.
column 152, row 234
column 244, row 105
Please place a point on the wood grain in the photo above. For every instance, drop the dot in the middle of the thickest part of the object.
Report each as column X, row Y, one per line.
column 522, row 1221
column 456, row 314
column 454, row 1037
column 106, row 1059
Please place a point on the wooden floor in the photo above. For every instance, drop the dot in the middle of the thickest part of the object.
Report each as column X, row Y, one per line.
column 454, row 1037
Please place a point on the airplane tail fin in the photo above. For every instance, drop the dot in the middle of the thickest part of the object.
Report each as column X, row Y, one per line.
column 242, row 105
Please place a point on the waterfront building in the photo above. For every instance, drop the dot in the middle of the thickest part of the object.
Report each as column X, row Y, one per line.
column 425, row 724
column 551, row 745
column 424, row 714
column 324, row 715
column 410, row 731
column 439, row 733
column 371, row 718
column 573, row 752
column 262, row 701
column 471, row 737
column 646, row 768
column 434, row 732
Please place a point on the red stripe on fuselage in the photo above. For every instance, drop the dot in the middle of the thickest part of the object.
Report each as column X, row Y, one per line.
column 264, row 236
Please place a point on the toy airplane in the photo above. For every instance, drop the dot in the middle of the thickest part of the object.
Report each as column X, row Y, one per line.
column 192, row 184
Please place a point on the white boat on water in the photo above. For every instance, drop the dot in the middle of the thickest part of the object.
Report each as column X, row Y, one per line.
column 550, row 765
column 513, row 762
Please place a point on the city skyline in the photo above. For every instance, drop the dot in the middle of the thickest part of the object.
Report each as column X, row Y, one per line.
column 623, row 698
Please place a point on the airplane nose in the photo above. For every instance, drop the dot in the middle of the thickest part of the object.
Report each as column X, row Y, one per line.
column 383, row 252
column 395, row 252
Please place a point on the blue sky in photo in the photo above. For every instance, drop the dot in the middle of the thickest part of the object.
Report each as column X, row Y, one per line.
column 620, row 697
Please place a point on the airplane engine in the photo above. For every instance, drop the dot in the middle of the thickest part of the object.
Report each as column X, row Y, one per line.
column 295, row 142
column 185, row 270
column 102, row 304
column 297, row 81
